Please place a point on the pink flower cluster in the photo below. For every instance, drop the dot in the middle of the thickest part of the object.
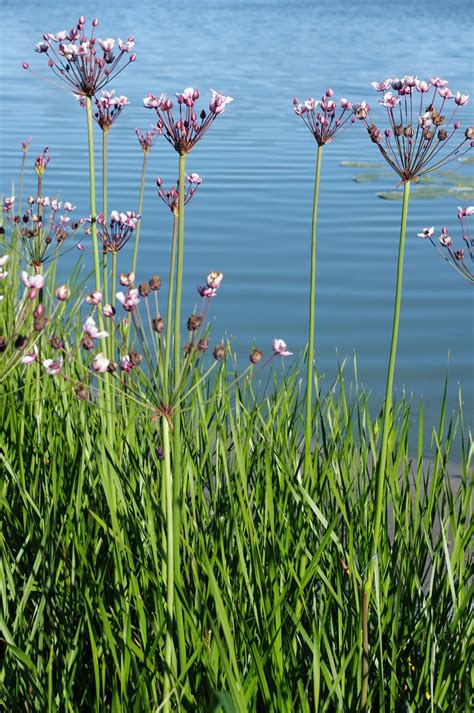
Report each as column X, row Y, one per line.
column 108, row 108
column 414, row 142
column 119, row 230
column 146, row 139
column 85, row 64
column 322, row 118
column 456, row 257
column 171, row 197
column 186, row 130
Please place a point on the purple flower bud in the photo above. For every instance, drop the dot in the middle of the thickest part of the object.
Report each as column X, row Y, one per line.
column 329, row 92
column 95, row 22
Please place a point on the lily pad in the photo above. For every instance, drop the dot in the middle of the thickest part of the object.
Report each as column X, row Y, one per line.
column 361, row 164
column 425, row 193
column 368, row 177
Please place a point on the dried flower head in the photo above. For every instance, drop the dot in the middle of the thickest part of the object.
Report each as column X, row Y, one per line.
column 322, row 117
column 86, row 64
column 420, row 125
column 183, row 132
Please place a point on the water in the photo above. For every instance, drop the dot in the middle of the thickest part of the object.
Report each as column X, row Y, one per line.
column 251, row 217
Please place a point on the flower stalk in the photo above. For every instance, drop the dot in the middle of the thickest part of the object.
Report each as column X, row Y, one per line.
column 312, row 294
column 140, row 206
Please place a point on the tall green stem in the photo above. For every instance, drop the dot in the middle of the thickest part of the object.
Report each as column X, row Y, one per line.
column 387, row 420
column 140, row 206
column 179, row 270
column 104, row 210
column 22, row 172
column 169, row 647
column 312, row 293
column 95, row 244
column 177, row 465
column 169, row 312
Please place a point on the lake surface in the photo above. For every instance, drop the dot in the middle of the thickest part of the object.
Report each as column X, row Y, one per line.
column 251, row 217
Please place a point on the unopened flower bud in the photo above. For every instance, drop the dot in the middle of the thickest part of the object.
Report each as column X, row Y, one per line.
column 127, row 279
column 194, row 322
column 144, row 289
column 63, row 293
column 155, row 282
column 158, row 325
column 469, row 133
column 219, row 352
column 38, row 311
column 256, row 356
column 408, row 132
column 160, row 454
column 108, row 310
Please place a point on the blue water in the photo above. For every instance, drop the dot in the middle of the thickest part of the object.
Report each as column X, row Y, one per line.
column 251, row 217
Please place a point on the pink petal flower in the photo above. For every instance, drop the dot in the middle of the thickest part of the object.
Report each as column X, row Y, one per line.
column 382, row 86
column 427, row 232
column 53, row 366
column 63, row 293
column 32, row 281
column 100, row 363
column 214, row 280
column 461, row 99
column 90, row 328
column 31, row 356
column 279, row 347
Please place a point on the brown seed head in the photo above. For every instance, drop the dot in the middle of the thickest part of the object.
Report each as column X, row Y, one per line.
column 256, row 356
column 87, row 343
column 135, row 358
column 442, row 135
column 189, row 348
column 155, row 282
column 408, row 132
column 3, row 343
column 144, row 289
column 57, row 343
column 203, row 345
column 219, row 352
column 158, row 325
column 21, row 342
column 40, row 323
column 194, row 322
column 82, row 392
column 112, row 367
column 398, row 130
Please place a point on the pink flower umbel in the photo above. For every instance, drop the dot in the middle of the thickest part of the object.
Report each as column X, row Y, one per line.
column 455, row 258
column 146, row 139
column 324, row 118
column 416, row 139
column 8, row 203
column 183, row 132
column 44, row 229
column 171, row 197
column 86, row 64
column 108, row 108
column 279, row 348
column 119, row 230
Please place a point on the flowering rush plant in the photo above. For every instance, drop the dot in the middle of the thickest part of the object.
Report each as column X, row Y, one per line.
column 422, row 122
column 455, row 258
column 118, row 231
column 108, row 108
column 322, row 117
column 85, row 63
column 184, row 131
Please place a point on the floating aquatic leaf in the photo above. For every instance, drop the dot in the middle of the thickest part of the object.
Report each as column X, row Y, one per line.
column 425, row 193
column 367, row 177
column 361, row 164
